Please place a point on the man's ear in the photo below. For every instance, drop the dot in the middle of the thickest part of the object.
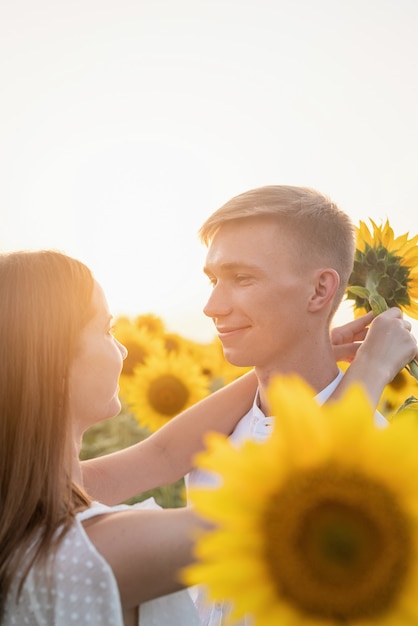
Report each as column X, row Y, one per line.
column 326, row 284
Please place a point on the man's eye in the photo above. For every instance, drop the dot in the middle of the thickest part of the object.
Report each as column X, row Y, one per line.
column 242, row 278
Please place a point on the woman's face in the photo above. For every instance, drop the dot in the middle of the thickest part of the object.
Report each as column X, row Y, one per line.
column 96, row 367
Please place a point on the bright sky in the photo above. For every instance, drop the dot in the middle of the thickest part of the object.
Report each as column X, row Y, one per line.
column 124, row 124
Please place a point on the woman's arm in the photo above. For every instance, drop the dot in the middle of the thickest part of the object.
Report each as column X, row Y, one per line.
column 381, row 351
column 387, row 347
column 146, row 549
column 166, row 455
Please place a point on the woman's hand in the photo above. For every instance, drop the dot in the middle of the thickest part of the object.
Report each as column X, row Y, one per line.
column 389, row 339
column 381, row 351
column 347, row 339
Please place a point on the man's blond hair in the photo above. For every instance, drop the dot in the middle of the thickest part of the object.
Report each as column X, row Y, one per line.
column 321, row 231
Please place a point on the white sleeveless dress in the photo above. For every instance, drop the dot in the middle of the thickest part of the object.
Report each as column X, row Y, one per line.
column 82, row 590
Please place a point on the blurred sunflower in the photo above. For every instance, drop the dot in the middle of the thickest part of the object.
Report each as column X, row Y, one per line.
column 152, row 323
column 213, row 364
column 140, row 345
column 396, row 392
column 163, row 386
column 318, row 525
column 174, row 342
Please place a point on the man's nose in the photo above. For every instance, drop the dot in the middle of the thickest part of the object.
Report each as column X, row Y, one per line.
column 218, row 303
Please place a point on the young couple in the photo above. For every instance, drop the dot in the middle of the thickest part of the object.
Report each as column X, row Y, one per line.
column 279, row 259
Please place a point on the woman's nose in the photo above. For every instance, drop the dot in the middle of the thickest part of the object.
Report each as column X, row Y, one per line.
column 123, row 350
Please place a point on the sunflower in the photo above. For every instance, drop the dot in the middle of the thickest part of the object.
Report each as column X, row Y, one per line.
column 174, row 342
column 396, row 392
column 213, row 364
column 139, row 342
column 163, row 386
column 385, row 274
column 318, row 525
column 385, row 271
column 152, row 323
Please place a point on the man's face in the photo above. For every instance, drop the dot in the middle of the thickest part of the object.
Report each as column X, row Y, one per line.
column 259, row 292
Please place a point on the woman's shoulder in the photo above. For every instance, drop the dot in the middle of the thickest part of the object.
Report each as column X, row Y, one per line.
column 76, row 586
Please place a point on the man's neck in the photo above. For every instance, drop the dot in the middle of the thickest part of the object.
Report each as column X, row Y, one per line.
column 318, row 377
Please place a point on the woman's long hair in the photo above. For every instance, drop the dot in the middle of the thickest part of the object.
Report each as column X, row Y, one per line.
column 45, row 300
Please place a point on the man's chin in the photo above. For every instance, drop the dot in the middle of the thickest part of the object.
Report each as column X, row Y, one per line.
column 236, row 359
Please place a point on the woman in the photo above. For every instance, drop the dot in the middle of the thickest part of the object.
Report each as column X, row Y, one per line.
column 64, row 558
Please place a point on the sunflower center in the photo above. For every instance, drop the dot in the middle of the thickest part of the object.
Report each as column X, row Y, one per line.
column 337, row 544
column 168, row 395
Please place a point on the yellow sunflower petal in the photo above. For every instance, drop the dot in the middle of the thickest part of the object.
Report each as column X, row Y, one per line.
column 331, row 538
column 396, row 392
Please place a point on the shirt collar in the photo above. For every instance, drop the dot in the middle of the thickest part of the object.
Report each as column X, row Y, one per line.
column 321, row 397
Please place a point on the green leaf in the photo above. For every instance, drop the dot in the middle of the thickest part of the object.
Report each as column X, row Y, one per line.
column 410, row 403
column 360, row 292
column 377, row 304
column 412, row 368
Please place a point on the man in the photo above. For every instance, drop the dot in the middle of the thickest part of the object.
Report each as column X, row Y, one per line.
column 279, row 259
